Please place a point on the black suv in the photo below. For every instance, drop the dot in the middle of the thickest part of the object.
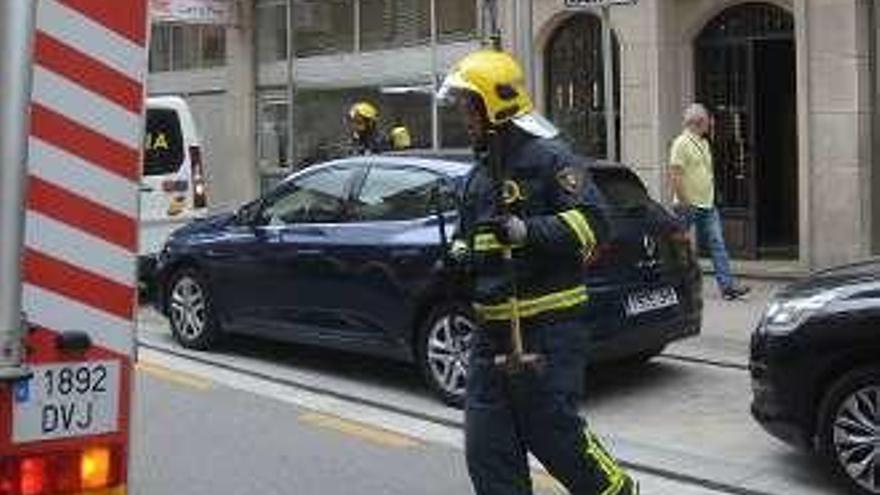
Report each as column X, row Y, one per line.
column 815, row 367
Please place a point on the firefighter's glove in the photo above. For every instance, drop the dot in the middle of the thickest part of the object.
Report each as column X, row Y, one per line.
column 459, row 251
column 511, row 230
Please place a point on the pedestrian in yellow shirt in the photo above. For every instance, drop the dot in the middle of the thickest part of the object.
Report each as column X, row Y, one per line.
column 693, row 182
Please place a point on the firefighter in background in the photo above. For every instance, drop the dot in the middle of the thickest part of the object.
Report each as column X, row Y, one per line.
column 363, row 119
column 509, row 414
column 399, row 136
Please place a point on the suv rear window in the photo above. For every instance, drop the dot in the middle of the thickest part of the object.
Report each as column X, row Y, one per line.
column 621, row 188
column 163, row 142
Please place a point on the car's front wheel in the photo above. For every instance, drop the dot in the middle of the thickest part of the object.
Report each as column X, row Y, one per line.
column 849, row 425
column 190, row 310
column 444, row 349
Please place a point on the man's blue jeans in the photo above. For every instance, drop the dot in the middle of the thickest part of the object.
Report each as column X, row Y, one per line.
column 708, row 226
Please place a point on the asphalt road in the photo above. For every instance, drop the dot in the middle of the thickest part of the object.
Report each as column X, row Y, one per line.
column 290, row 419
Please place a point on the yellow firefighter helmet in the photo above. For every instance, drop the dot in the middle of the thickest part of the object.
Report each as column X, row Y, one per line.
column 364, row 110
column 497, row 79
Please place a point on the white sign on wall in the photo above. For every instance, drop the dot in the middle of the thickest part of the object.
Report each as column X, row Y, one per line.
column 220, row 12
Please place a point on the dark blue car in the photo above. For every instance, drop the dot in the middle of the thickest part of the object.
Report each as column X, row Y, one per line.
column 347, row 255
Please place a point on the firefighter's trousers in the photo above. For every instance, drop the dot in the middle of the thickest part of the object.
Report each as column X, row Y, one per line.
column 508, row 415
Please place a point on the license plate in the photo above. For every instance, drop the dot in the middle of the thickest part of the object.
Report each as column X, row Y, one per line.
column 67, row 400
column 652, row 300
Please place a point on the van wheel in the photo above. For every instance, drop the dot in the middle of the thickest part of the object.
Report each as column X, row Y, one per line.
column 849, row 429
column 190, row 311
column 444, row 349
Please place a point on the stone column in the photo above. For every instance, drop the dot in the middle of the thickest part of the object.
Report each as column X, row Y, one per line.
column 649, row 88
column 839, row 119
column 238, row 181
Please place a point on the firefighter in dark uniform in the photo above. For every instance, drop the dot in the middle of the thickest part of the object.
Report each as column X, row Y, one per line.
column 366, row 139
column 534, row 410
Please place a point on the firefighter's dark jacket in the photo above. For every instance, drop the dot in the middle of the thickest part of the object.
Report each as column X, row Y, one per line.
column 546, row 189
column 369, row 142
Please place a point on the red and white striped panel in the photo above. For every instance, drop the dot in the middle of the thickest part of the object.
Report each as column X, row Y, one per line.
column 84, row 167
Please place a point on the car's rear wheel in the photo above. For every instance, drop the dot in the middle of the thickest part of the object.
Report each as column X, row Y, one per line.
column 849, row 423
column 444, row 349
column 190, row 310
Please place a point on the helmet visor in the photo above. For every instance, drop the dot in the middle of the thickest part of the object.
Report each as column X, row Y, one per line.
column 536, row 125
column 452, row 90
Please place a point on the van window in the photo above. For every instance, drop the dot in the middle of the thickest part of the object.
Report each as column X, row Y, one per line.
column 163, row 142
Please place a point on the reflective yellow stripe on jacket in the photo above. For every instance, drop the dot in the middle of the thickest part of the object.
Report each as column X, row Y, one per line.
column 487, row 242
column 531, row 307
column 578, row 223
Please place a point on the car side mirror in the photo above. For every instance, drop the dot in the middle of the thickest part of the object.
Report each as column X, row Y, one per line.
column 249, row 214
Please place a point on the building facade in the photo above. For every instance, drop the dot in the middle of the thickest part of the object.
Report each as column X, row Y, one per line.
column 792, row 84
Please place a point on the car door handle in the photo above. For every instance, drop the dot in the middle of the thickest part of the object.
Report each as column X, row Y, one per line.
column 310, row 252
column 405, row 253
column 147, row 188
column 218, row 254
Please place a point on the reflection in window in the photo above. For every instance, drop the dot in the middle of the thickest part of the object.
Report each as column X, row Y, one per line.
column 316, row 198
column 321, row 127
column 396, row 194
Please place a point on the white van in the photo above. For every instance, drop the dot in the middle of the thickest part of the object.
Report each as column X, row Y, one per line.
column 172, row 190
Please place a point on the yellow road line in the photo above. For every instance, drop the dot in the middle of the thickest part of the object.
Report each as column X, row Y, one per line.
column 174, row 376
column 546, row 484
column 360, row 430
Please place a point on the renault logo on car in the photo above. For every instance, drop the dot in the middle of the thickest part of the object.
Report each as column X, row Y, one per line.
column 650, row 246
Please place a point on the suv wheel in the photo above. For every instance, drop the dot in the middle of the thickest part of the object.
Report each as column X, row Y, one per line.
column 190, row 312
column 444, row 349
column 849, row 425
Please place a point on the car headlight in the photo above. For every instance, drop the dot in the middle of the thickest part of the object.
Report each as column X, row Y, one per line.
column 784, row 315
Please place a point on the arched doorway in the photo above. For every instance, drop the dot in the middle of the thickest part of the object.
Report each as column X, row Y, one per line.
column 745, row 74
column 575, row 88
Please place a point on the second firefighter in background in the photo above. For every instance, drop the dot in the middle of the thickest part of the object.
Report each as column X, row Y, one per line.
column 366, row 136
column 508, row 415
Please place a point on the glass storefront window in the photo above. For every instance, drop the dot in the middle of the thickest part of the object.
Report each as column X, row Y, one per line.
column 394, row 23
column 456, row 20
column 186, row 47
column 160, row 48
column 213, row 52
column 271, row 31
column 321, row 127
column 324, row 26
column 321, row 27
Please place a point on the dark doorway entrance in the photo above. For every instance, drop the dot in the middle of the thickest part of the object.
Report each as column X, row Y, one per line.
column 745, row 74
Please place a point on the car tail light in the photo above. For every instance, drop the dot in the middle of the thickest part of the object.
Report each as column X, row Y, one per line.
column 200, row 194
column 58, row 473
column 95, row 468
column 601, row 255
column 34, row 479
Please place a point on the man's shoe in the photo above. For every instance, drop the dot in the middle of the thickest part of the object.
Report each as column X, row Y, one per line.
column 735, row 292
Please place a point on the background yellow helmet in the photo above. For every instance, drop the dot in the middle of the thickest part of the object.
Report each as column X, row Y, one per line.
column 496, row 78
column 400, row 137
column 364, row 110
